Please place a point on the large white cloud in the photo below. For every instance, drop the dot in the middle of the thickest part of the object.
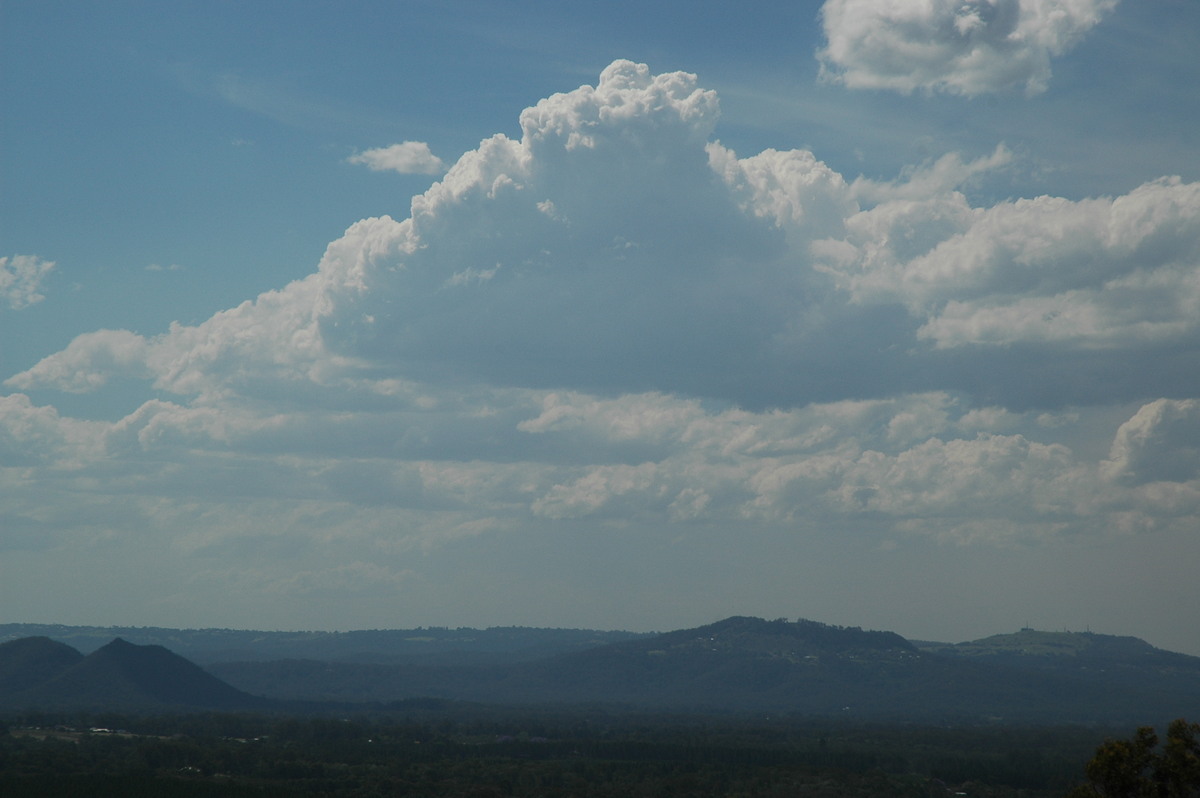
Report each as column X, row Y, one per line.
column 602, row 250
column 966, row 47
column 920, row 464
column 617, row 248
column 615, row 324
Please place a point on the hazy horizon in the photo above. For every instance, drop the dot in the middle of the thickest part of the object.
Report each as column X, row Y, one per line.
column 437, row 627
column 604, row 317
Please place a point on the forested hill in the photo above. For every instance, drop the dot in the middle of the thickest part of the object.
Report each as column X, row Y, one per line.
column 27, row 662
column 1121, row 662
column 39, row 673
column 754, row 665
column 736, row 665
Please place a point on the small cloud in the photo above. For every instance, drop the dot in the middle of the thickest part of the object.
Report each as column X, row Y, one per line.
column 468, row 276
column 20, row 279
column 158, row 267
column 947, row 173
column 407, row 158
column 963, row 47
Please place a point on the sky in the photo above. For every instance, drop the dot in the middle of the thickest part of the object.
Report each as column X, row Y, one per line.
column 616, row 315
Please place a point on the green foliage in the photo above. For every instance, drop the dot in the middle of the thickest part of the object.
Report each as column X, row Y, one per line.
column 1134, row 769
column 456, row 751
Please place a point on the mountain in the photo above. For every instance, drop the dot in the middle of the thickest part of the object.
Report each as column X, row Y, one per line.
column 744, row 656
column 736, row 665
column 1085, row 653
column 1117, row 663
column 754, row 665
column 120, row 675
column 811, row 668
column 425, row 645
column 26, row 662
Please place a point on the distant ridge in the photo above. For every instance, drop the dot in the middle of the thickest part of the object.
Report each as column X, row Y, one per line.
column 745, row 664
column 1118, row 661
column 739, row 664
column 751, row 663
column 433, row 644
column 120, row 675
column 1034, row 643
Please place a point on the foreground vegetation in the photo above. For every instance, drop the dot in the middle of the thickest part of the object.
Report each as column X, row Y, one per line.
column 1138, row 768
column 455, row 750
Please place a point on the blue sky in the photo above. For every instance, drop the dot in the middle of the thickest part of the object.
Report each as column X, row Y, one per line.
column 320, row 315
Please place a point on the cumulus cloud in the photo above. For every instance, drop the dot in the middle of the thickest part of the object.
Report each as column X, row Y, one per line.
column 924, row 463
column 260, row 345
column 88, row 363
column 617, row 248
column 1161, row 442
column 617, row 320
column 966, row 47
column 613, row 247
column 20, row 279
column 511, row 268
column 407, row 158
column 1107, row 273
column 33, row 435
column 927, row 464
